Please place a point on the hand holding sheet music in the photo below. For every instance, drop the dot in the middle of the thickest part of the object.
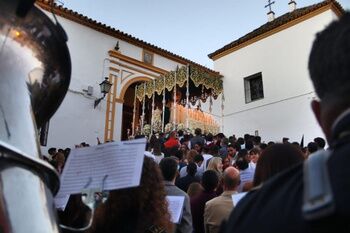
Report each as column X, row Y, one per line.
column 175, row 207
column 109, row 166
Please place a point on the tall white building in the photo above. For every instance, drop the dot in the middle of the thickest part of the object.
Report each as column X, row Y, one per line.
column 266, row 80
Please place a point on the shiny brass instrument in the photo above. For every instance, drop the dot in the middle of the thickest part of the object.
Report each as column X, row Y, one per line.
column 35, row 71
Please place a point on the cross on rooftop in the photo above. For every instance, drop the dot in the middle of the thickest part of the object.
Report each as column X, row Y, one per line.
column 269, row 5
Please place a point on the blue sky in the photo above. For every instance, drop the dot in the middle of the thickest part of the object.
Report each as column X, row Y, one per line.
column 189, row 28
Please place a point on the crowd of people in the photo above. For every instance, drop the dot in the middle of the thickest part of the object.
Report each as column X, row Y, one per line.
column 207, row 170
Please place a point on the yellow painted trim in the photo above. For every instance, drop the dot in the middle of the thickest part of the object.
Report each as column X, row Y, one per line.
column 131, row 81
column 143, row 56
column 108, row 109
column 134, row 69
column 133, row 61
column 278, row 29
column 113, row 108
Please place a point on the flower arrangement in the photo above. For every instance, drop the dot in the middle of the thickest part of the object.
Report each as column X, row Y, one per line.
column 147, row 129
column 180, row 126
column 168, row 127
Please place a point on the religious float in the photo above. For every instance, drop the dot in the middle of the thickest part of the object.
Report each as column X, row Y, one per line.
column 174, row 101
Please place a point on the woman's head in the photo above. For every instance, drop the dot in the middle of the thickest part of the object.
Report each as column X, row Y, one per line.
column 254, row 155
column 215, row 164
column 135, row 209
column 194, row 189
column 190, row 155
column 274, row 159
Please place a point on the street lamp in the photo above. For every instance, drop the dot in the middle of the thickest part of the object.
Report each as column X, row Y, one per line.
column 105, row 86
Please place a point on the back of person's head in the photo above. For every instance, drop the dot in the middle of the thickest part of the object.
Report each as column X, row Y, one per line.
column 242, row 163
column 198, row 158
column 231, row 178
column 240, row 141
column 191, row 169
column 152, row 140
column 249, row 145
column 179, row 155
column 237, row 146
column 257, row 140
column 157, row 147
column 171, row 151
column 198, row 131
column 52, row 151
column 329, row 67
column 210, row 180
column 214, row 150
column 135, row 209
column 274, row 159
column 329, row 62
column 285, row 140
column 191, row 154
column 263, row 146
column 312, row 147
column 206, row 149
column 321, row 143
column 224, row 142
column 180, row 133
column 168, row 166
column 194, row 189
column 270, row 143
column 243, row 153
column 296, row 144
column 209, row 137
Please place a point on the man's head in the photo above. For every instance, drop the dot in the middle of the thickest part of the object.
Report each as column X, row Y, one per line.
column 168, row 166
column 191, row 169
column 231, row 179
column 52, row 151
column 198, row 131
column 224, row 142
column 321, row 143
column 210, row 180
column 198, row 159
column 329, row 67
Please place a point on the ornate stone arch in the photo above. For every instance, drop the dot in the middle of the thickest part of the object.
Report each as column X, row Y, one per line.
column 130, row 82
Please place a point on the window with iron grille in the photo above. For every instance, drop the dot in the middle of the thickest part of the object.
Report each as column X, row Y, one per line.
column 253, row 87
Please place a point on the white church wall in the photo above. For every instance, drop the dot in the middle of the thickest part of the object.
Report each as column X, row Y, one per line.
column 76, row 120
column 282, row 59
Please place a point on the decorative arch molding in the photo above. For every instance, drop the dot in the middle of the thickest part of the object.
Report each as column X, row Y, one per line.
column 131, row 81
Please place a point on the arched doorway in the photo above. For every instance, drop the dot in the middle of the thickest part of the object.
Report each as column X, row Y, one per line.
column 128, row 96
column 128, row 111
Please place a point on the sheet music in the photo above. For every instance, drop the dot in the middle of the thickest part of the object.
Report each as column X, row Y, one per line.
column 86, row 167
column 237, row 197
column 175, row 207
column 61, row 202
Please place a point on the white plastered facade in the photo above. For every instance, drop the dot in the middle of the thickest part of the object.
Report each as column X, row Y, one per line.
column 282, row 59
